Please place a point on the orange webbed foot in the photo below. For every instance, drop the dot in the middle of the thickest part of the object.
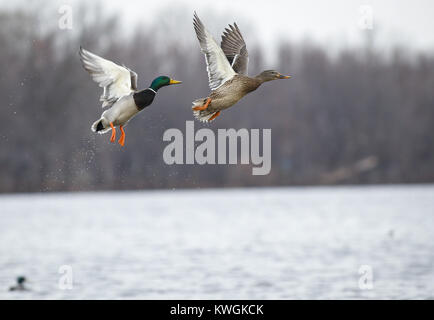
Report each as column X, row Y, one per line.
column 201, row 108
column 122, row 138
column 215, row 115
column 113, row 137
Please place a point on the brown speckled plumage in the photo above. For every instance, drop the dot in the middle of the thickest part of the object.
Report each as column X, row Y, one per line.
column 232, row 91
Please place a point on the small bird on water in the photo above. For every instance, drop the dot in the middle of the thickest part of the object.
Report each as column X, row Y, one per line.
column 20, row 285
column 120, row 93
column 227, row 71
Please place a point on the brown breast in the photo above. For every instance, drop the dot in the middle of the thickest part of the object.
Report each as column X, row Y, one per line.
column 232, row 91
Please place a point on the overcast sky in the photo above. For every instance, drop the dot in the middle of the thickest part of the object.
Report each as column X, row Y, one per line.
column 333, row 23
column 410, row 22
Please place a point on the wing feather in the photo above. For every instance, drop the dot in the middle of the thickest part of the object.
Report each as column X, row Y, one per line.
column 235, row 49
column 116, row 81
column 218, row 67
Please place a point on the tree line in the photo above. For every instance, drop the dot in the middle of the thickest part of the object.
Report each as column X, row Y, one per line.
column 356, row 117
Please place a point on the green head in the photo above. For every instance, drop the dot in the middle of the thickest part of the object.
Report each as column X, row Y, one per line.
column 21, row 280
column 162, row 81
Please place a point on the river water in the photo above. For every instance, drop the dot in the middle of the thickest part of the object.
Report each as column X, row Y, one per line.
column 272, row 243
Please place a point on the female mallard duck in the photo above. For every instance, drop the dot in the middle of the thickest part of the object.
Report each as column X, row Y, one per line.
column 120, row 93
column 227, row 71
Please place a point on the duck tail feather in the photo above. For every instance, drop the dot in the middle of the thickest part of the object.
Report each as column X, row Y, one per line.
column 98, row 126
column 203, row 115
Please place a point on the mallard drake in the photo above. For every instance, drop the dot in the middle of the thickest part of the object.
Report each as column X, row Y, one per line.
column 20, row 285
column 120, row 93
column 227, row 71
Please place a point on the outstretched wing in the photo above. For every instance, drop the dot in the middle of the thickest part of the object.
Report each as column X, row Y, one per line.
column 218, row 67
column 235, row 49
column 116, row 81
column 133, row 77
